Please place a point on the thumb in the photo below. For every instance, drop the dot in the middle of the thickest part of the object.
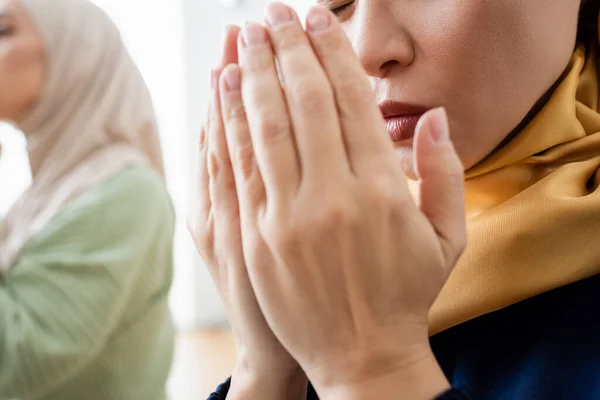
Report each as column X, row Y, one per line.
column 441, row 182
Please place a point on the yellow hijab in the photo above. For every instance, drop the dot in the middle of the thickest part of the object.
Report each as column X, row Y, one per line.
column 533, row 207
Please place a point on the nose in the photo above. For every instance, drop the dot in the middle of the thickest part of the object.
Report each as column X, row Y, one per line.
column 380, row 39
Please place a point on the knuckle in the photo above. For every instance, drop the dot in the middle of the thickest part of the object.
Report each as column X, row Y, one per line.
column 279, row 235
column 278, row 227
column 272, row 129
column 228, row 183
column 203, row 238
column 257, row 61
column 352, row 97
column 310, row 222
column 214, row 115
column 312, row 96
column 243, row 159
column 213, row 166
column 381, row 193
column 214, row 120
column 288, row 37
column 221, row 185
column 284, row 237
column 337, row 214
column 236, row 112
column 202, row 140
column 334, row 43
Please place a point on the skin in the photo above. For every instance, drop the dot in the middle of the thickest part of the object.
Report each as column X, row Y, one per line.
column 486, row 62
column 303, row 164
column 21, row 62
column 217, row 234
column 520, row 50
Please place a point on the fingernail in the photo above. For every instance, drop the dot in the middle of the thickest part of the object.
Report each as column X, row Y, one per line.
column 318, row 19
column 214, row 77
column 232, row 79
column 278, row 14
column 439, row 125
column 254, row 34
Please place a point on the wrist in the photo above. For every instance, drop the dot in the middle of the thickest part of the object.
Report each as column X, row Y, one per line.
column 414, row 376
column 268, row 383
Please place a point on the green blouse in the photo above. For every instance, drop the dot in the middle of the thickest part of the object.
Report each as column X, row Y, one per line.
column 83, row 312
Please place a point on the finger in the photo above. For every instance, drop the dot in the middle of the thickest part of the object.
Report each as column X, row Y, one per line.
column 249, row 184
column 200, row 215
column 441, row 182
column 268, row 119
column 369, row 150
column 221, row 180
column 202, row 199
column 309, row 96
column 225, row 214
column 229, row 54
column 251, row 195
column 201, row 219
column 223, row 196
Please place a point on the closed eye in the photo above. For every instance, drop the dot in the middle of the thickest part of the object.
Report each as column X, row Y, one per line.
column 6, row 27
column 337, row 10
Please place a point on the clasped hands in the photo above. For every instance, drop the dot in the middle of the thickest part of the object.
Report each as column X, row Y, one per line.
column 326, row 265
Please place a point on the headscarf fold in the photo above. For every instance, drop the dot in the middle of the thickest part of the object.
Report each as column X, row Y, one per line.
column 533, row 207
column 94, row 117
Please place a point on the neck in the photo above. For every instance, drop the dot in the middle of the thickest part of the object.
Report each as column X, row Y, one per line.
column 537, row 107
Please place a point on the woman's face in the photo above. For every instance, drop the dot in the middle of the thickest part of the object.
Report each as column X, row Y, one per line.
column 486, row 61
column 21, row 61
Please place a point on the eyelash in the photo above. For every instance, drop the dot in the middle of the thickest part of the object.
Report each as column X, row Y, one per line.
column 338, row 10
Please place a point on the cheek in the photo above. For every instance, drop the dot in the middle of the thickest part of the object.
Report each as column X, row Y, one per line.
column 488, row 63
column 14, row 62
column 470, row 50
column 9, row 74
column 21, row 75
column 461, row 57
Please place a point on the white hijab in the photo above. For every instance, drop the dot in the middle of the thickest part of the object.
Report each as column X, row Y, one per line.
column 94, row 117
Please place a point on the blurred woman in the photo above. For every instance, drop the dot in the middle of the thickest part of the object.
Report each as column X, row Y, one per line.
column 86, row 252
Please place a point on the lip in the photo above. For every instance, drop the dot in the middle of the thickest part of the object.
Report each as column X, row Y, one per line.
column 401, row 119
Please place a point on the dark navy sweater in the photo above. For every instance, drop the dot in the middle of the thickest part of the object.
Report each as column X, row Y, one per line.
column 543, row 348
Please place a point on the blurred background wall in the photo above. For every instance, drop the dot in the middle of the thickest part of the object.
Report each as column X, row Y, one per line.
column 175, row 44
